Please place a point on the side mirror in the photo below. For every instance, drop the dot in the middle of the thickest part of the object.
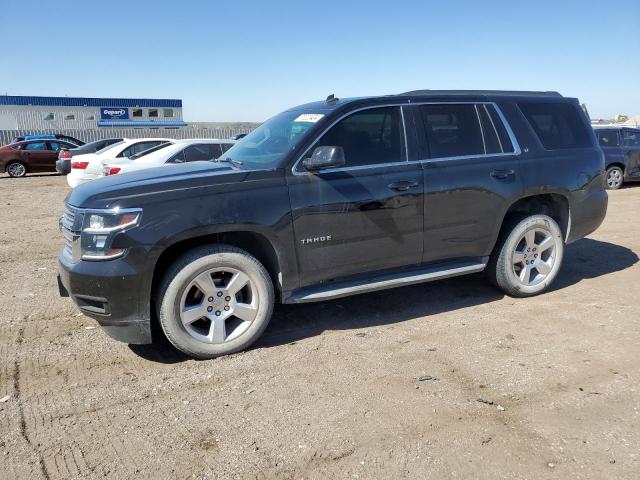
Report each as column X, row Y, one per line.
column 324, row 157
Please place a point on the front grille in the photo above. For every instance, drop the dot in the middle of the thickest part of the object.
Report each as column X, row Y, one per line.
column 70, row 228
column 69, row 214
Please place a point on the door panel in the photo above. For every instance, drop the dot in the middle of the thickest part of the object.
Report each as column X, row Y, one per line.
column 353, row 222
column 365, row 216
column 464, row 203
column 466, row 189
column 38, row 157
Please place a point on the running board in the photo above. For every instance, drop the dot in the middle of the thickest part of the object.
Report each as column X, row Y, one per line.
column 382, row 282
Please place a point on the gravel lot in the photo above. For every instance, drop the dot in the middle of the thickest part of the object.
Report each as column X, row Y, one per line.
column 331, row 390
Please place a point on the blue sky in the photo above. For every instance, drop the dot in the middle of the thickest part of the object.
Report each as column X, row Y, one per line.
column 247, row 60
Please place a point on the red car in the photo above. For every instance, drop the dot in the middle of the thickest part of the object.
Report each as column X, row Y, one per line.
column 31, row 156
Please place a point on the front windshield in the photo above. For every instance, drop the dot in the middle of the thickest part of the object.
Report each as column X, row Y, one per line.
column 266, row 146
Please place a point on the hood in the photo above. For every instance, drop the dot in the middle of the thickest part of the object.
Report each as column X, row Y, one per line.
column 139, row 186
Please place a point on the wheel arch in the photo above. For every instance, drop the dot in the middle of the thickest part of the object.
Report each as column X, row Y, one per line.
column 552, row 204
column 616, row 164
column 254, row 243
column 16, row 160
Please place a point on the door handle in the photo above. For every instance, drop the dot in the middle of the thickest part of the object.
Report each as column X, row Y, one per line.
column 502, row 174
column 403, row 185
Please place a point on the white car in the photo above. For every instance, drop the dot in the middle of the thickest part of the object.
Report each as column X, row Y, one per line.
column 181, row 151
column 88, row 167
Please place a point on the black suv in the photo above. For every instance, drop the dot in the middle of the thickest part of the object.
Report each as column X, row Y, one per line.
column 331, row 199
column 621, row 147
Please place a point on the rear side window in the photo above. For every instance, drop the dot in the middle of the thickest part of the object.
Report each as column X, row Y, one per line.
column 608, row 138
column 35, row 146
column 498, row 125
column 491, row 140
column 452, row 130
column 631, row 138
column 57, row 146
column 557, row 125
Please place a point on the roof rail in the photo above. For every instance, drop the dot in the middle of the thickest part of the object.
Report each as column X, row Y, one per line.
column 514, row 93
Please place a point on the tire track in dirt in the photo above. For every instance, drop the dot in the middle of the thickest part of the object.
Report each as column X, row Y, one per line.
column 23, row 424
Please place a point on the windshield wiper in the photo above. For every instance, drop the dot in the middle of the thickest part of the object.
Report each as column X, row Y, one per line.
column 235, row 163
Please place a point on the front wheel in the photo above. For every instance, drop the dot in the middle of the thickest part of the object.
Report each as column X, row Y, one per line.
column 615, row 177
column 215, row 300
column 16, row 169
column 528, row 256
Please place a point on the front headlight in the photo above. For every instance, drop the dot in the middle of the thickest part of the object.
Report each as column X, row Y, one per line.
column 101, row 226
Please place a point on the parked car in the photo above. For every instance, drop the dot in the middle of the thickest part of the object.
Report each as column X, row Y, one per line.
column 63, row 165
column 31, row 156
column 331, row 199
column 87, row 167
column 50, row 136
column 621, row 147
column 180, row 152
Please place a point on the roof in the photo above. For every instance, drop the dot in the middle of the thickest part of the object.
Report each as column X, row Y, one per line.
column 89, row 101
column 501, row 93
column 614, row 127
column 441, row 95
column 141, row 123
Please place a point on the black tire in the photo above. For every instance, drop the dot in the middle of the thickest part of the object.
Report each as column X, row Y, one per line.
column 16, row 169
column 179, row 277
column 614, row 178
column 501, row 270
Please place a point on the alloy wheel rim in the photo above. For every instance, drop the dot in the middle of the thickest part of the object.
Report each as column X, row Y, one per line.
column 219, row 305
column 614, row 178
column 16, row 169
column 534, row 257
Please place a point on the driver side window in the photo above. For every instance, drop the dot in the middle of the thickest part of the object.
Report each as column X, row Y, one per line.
column 370, row 137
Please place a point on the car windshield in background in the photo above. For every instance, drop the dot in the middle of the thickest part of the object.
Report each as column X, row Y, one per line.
column 149, row 150
column 113, row 145
column 271, row 141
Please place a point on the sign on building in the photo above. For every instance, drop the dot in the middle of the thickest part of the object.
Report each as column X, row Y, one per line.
column 111, row 113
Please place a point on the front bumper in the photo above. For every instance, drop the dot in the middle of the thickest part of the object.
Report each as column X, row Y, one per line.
column 111, row 292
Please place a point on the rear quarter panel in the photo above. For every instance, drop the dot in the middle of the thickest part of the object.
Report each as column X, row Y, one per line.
column 578, row 174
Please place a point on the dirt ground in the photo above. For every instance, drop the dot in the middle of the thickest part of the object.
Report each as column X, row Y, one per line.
column 331, row 390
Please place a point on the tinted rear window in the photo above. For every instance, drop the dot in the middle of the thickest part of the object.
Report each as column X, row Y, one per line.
column 453, row 130
column 607, row 138
column 557, row 125
column 503, row 136
column 631, row 138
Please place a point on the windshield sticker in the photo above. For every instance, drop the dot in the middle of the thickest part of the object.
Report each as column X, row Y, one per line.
column 309, row 117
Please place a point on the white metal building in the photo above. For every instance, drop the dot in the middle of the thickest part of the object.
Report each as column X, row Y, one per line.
column 76, row 113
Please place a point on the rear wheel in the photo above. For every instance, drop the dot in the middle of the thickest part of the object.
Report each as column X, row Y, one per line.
column 16, row 169
column 615, row 177
column 214, row 301
column 528, row 256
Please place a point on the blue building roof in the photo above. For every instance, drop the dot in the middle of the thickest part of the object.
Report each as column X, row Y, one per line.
column 139, row 123
column 90, row 102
